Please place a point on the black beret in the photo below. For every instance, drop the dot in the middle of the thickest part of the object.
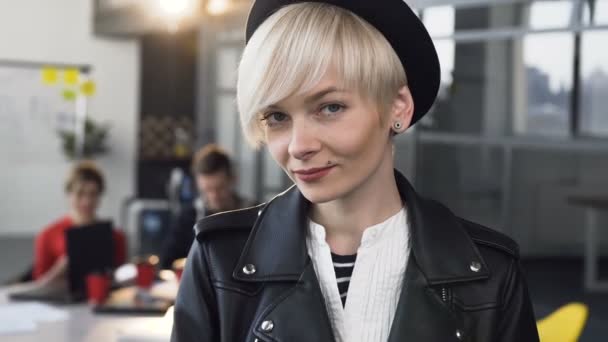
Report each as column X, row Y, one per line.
column 402, row 29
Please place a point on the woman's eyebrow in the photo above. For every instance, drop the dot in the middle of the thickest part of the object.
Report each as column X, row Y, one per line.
column 311, row 98
column 320, row 94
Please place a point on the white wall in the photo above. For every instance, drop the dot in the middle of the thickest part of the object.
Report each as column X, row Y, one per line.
column 61, row 31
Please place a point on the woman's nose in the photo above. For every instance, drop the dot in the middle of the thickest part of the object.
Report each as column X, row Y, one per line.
column 304, row 143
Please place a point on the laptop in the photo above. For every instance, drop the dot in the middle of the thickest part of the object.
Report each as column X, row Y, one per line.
column 89, row 248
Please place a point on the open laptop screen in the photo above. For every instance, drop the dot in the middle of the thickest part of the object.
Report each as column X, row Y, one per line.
column 90, row 248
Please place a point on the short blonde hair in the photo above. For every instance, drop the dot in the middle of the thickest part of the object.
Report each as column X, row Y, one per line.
column 291, row 51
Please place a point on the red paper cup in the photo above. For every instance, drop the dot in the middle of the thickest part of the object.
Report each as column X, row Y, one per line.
column 98, row 287
column 178, row 267
column 178, row 274
column 146, row 271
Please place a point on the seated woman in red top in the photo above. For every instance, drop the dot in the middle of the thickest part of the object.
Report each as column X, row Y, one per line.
column 84, row 188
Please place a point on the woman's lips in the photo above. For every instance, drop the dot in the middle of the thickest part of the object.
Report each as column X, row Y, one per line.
column 311, row 175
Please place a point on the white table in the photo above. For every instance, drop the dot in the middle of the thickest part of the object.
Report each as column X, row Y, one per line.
column 83, row 325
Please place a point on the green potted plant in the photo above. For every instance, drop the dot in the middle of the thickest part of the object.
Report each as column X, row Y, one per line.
column 95, row 135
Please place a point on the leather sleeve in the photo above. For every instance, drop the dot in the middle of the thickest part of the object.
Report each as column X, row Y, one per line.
column 195, row 318
column 517, row 321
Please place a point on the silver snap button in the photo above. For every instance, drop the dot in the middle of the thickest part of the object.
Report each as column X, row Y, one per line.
column 459, row 334
column 249, row 269
column 475, row 266
column 267, row 326
column 259, row 212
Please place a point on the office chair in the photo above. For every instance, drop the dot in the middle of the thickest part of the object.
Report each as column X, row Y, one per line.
column 564, row 324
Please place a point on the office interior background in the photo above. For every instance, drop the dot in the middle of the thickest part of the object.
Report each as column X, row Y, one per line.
column 518, row 134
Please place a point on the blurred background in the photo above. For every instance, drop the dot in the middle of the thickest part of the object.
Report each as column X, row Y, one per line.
column 517, row 140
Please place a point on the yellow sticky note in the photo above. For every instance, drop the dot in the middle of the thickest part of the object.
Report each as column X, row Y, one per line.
column 49, row 76
column 88, row 88
column 71, row 76
column 69, row 95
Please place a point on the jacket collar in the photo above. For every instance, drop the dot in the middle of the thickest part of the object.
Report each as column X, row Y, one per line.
column 441, row 246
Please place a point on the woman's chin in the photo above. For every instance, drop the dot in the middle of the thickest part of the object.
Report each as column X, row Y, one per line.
column 319, row 194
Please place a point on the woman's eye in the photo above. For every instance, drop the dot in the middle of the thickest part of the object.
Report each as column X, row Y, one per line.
column 331, row 109
column 274, row 118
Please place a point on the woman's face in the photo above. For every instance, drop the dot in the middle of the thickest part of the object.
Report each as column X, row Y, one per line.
column 84, row 198
column 328, row 140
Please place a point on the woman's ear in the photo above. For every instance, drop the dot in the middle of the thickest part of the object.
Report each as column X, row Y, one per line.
column 402, row 110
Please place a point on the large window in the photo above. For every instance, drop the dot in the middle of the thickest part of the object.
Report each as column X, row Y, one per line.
column 520, row 68
column 524, row 84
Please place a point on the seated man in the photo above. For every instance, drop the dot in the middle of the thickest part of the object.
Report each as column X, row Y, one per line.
column 215, row 181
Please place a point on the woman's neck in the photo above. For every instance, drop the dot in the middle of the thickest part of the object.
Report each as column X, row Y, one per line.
column 80, row 220
column 372, row 202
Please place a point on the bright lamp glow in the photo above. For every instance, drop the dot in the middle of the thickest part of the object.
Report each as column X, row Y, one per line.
column 175, row 8
column 217, row 7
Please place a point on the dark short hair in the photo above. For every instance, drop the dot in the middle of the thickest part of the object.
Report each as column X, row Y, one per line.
column 211, row 159
column 85, row 171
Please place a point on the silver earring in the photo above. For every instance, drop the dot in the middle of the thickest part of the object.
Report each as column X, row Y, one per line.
column 397, row 125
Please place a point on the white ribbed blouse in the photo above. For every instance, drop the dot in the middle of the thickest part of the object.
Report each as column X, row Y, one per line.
column 376, row 282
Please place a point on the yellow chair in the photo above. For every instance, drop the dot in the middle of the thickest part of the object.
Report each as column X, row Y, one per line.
column 564, row 324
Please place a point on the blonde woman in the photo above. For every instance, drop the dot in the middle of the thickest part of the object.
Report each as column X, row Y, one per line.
column 351, row 252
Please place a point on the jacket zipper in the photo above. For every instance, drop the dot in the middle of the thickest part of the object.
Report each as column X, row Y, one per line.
column 444, row 294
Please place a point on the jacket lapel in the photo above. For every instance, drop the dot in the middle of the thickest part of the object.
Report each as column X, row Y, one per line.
column 441, row 254
column 276, row 245
column 443, row 249
column 298, row 315
column 277, row 249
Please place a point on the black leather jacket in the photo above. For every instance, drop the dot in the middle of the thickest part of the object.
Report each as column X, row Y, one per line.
column 249, row 278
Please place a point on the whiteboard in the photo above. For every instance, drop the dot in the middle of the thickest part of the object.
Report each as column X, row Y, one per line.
column 32, row 165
